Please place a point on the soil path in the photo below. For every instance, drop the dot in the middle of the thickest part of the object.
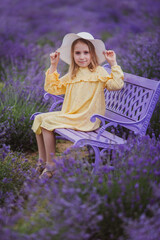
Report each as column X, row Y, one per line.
column 61, row 146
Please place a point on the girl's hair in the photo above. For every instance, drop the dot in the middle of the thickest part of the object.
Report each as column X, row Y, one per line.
column 94, row 60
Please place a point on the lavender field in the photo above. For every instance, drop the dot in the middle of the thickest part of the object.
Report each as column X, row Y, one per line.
column 119, row 204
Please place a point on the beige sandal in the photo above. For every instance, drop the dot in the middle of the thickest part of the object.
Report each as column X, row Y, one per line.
column 40, row 167
column 47, row 173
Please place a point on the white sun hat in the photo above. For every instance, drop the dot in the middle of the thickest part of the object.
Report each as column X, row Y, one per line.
column 65, row 49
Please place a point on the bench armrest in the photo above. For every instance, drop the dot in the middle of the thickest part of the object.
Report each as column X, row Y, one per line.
column 55, row 97
column 57, row 100
column 110, row 123
column 104, row 127
column 33, row 115
column 104, row 119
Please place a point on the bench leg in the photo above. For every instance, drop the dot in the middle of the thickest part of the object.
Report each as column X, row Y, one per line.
column 97, row 158
column 109, row 155
column 82, row 143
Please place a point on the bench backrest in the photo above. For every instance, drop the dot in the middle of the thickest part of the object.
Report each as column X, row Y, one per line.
column 134, row 103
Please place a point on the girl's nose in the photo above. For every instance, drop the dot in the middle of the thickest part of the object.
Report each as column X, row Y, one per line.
column 81, row 56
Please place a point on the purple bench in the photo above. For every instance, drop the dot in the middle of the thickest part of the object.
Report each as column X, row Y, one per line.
column 131, row 107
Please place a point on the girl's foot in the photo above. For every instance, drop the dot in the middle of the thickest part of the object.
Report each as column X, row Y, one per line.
column 40, row 167
column 48, row 172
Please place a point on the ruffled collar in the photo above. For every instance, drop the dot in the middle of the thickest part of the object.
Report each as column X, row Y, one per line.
column 85, row 75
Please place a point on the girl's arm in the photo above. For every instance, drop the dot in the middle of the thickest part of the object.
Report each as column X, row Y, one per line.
column 115, row 79
column 53, row 84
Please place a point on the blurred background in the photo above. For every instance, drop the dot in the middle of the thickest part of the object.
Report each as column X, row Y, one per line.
column 30, row 30
column 131, row 28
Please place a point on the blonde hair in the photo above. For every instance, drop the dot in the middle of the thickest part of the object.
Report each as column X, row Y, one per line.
column 73, row 69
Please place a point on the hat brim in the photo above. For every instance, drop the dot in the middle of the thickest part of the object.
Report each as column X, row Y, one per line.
column 65, row 49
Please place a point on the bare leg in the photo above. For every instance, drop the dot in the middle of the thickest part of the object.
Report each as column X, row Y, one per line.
column 41, row 147
column 50, row 145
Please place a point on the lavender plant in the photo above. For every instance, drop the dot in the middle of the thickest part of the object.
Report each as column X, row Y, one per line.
column 13, row 172
column 15, row 129
column 147, row 226
column 77, row 204
column 141, row 52
column 15, row 111
column 21, row 96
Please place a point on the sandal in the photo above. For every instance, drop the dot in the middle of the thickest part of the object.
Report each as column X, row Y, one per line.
column 47, row 173
column 40, row 167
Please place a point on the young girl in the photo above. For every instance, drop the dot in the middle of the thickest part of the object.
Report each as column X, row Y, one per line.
column 83, row 87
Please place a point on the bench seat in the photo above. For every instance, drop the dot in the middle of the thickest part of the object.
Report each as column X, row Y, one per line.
column 78, row 137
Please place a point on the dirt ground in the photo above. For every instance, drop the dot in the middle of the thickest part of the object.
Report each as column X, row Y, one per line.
column 61, row 146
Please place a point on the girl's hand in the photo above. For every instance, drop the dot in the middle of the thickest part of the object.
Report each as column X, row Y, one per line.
column 54, row 59
column 110, row 56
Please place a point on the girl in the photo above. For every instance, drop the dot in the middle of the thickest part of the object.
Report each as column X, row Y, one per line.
column 83, row 87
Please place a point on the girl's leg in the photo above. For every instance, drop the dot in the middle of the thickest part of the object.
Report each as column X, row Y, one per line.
column 50, row 145
column 41, row 147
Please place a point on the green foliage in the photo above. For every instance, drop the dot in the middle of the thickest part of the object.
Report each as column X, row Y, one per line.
column 105, row 36
column 1, row 86
column 13, row 171
column 44, row 41
column 16, row 108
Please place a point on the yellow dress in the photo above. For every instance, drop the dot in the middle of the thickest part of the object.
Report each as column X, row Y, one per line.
column 84, row 96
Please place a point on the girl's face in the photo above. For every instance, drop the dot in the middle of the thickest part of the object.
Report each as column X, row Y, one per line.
column 81, row 55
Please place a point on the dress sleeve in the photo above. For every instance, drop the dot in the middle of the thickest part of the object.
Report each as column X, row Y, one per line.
column 113, row 81
column 54, row 84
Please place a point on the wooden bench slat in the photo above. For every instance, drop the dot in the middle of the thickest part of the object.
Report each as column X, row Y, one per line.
column 67, row 134
column 74, row 136
column 112, row 137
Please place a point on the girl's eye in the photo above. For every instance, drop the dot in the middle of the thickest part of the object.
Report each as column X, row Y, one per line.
column 77, row 52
